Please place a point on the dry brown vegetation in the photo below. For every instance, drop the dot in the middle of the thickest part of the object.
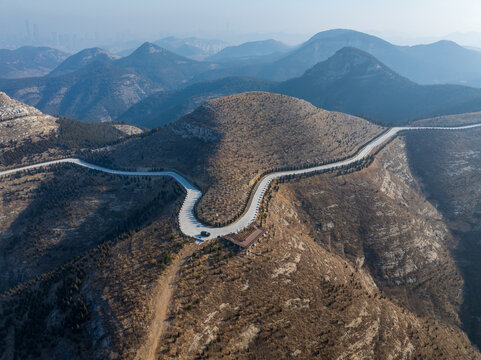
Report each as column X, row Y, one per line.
column 333, row 278
column 20, row 123
column 27, row 136
column 226, row 144
column 369, row 264
column 378, row 217
column 449, row 168
column 451, row 120
column 102, row 246
column 49, row 217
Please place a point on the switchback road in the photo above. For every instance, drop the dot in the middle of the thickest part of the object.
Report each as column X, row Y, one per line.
column 189, row 224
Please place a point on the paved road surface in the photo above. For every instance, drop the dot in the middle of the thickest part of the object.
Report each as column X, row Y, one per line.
column 190, row 226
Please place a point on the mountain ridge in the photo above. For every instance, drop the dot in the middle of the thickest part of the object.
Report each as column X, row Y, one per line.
column 252, row 49
column 81, row 59
column 355, row 82
column 103, row 90
column 424, row 64
column 28, row 61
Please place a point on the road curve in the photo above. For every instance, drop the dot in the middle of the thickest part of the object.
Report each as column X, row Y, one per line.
column 190, row 226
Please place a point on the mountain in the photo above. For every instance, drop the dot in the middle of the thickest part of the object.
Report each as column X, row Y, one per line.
column 328, row 251
column 355, row 82
column 228, row 141
column 194, row 48
column 162, row 66
column 322, row 46
column 81, row 59
column 101, row 91
column 29, row 136
column 353, row 266
column 435, row 160
column 444, row 62
column 436, row 63
column 12, row 109
column 165, row 107
column 98, row 92
column 249, row 50
column 378, row 261
column 54, row 219
column 20, row 123
column 29, row 61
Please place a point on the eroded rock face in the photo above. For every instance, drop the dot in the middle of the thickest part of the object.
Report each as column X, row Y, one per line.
column 379, row 219
column 449, row 168
column 128, row 129
column 19, row 122
column 13, row 109
column 292, row 296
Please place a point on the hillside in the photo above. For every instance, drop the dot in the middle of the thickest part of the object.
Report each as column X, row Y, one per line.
column 376, row 262
column 451, row 120
column 21, row 124
column 438, row 63
column 354, row 82
column 101, row 91
column 448, row 167
column 28, row 136
column 356, row 266
column 98, row 92
column 165, row 107
column 81, row 59
column 81, row 253
column 227, row 143
column 29, row 61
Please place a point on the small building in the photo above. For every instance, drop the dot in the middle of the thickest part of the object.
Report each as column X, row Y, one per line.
column 246, row 239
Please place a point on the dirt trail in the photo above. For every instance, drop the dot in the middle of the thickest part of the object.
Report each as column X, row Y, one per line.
column 162, row 298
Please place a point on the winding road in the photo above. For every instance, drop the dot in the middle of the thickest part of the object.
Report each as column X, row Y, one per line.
column 192, row 227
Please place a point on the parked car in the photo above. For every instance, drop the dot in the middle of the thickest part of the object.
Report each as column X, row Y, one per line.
column 204, row 233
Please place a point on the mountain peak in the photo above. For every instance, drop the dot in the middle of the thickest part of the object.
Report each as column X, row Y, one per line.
column 355, row 57
column 149, row 48
column 341, row 33
column 81, row 59
column 250, row 49
column 352, row 62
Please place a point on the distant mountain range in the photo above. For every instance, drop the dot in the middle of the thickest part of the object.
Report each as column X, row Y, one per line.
column 250, row 50
column 97, row 86
column 29, row 61
column 167, row 69
column 440, row 62
column 193, row 48
column 103, row 90
column 355, row 82
column 437, row 63
column 351, row 81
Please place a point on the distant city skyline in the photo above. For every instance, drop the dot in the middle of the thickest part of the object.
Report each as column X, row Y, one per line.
column 76, row 24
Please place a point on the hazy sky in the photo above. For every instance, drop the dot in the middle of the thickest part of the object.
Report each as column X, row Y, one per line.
column 224, row 19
